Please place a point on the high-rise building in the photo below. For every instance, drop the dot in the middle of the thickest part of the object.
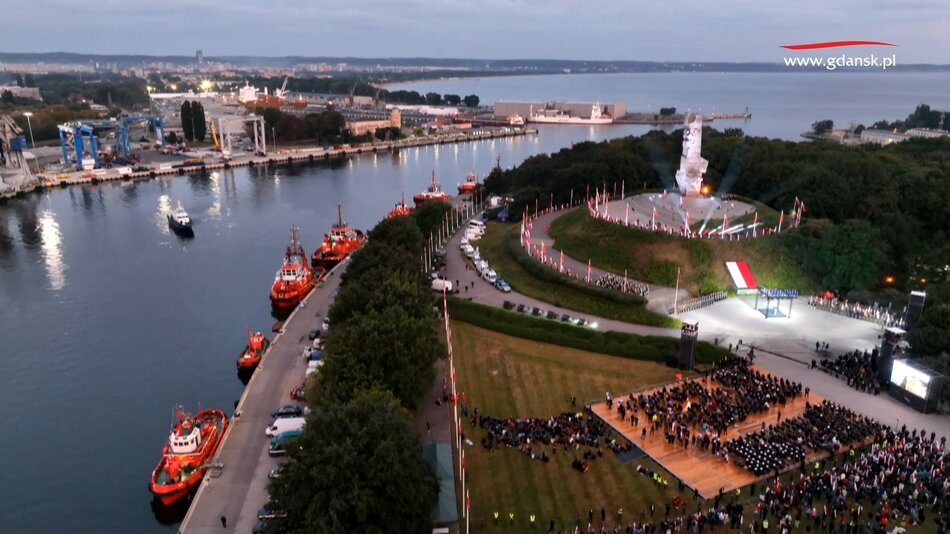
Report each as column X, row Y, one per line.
column 200, row 57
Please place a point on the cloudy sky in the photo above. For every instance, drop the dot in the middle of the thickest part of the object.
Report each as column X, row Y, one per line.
column 675, row 30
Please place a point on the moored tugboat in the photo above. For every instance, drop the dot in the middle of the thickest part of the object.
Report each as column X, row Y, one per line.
column 470, row 183
column 433, row 193
column 338, row 244
column 295, row 278
column 191, row 445
column 253, row 352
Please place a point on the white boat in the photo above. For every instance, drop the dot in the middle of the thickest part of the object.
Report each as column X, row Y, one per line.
column 552, row 115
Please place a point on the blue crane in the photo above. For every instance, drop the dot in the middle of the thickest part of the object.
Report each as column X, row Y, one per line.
column 157, row 124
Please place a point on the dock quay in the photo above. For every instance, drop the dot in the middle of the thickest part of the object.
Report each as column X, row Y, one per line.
column 676, row 118
column 235, row 486
column 277, row 157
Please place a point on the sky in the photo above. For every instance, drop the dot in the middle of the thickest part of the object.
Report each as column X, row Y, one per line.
column 648, row 30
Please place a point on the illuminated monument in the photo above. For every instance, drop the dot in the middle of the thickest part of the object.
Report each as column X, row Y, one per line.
column 689, row 177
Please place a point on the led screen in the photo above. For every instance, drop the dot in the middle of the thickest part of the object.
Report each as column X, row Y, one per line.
column 910, row 379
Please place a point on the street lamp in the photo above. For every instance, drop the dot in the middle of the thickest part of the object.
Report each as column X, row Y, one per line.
column 29, row 125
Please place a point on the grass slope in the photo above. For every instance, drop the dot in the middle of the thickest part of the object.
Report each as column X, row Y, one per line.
column 505, row 376
column 500, row 243
column 654, row 257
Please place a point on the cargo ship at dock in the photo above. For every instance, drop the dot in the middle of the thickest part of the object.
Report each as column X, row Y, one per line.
column 191, row 445
column 337, row 245
column 551, row 115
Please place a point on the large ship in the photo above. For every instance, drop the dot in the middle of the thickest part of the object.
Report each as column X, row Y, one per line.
column 400, row 209
column 295, row 278
column 337, row 245
column 253, row 352
column 551, row 115
column 190, row 447
column 470, row 183
column 433, row 193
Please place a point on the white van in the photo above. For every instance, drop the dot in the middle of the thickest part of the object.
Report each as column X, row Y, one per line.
column 471, row 235
column 490, row 276
column 441, row 285
column 475, row 223
column 285, row 424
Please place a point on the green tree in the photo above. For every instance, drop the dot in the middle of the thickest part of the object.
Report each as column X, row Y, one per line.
column 822, row 127
column 357, row 468
column 931, row 336
column 665, row 112
column 187, row 123
column 7, row 96
column 386, row 348
column 29, row 81
column 433, row 99
column 429, row 216
column 19, row 80
column 382, row 288
column 849, row 256
column 471, row 101
column 452, row 100
column 171, row 138
column 201, row 124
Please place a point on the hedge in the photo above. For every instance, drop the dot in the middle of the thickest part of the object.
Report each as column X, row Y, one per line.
column 633, row 346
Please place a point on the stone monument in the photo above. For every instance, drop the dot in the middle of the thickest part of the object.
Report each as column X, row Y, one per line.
column 689, row 177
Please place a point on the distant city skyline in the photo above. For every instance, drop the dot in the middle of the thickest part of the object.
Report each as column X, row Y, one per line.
column 726, row 30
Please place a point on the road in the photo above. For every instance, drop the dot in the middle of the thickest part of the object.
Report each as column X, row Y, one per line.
column 241, row 487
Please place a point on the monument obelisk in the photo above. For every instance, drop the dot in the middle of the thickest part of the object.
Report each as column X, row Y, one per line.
column 689, row 177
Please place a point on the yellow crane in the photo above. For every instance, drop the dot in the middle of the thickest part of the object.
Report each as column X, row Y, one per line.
column 214, row 133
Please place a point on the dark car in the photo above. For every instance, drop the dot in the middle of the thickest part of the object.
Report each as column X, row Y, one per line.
column 565, row 318
column 315, row 333
column 268, row 512
column 552, row 315
column 522, row 308
column 508, row 305
column 581, row 322
column 536, row 311
column 288, row 410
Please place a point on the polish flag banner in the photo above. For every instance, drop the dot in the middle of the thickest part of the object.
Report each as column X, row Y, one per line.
column 725, row 224
column 588, row 271
column 741, row 275
column 755, row 223
column 562, row 262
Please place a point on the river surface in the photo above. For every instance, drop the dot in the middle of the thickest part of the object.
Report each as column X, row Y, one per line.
column 783, row 105
column 107, row 320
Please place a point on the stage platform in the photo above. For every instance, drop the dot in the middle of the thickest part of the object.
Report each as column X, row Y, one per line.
column 703, row 470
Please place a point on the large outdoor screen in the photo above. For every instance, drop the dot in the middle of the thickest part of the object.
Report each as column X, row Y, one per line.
column 910, row 379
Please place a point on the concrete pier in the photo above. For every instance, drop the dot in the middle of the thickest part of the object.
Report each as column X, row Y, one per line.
column 238, row 488
column 279, row 157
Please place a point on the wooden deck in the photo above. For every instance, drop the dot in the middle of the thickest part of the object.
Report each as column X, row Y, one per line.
column 698, row 469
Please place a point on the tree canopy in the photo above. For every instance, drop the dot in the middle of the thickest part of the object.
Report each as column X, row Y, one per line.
column 357, row 468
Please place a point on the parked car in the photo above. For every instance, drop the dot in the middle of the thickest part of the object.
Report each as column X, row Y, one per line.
column 315, row 333
column 288, row 410
column 522, row 308
column 552, row 315
column 326, row 323
column 536, row 311
column 269, row 512
column 502, row 285
column 490, row 276
column 508, row 304
column 275, row 472
column 566, row 318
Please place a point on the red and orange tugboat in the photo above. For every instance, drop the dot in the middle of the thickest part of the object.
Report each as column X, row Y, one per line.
column 253, row 352
column 190, row 447
column 401, row 209
column 295, row 278
column 337, row 245
column 433, row 193
column 471, row 182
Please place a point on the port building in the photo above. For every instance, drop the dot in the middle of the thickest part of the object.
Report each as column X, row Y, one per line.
column 576, row 109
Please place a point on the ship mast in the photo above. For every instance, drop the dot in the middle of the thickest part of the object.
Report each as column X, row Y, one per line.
column 339, row 213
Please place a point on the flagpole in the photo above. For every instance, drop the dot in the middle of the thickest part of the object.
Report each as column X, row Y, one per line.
column 676, row 294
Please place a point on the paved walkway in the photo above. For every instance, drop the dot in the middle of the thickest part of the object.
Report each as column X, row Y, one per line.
column 241, row 487
column 660, row 297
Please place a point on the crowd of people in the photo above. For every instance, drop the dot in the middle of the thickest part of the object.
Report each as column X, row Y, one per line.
column 702, row 301
column 857, row 369
column 536, row 437
column 856, row 310
column 624, row 285
column 825, row 427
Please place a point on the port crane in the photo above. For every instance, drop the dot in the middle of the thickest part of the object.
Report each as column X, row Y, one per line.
column 157, row 126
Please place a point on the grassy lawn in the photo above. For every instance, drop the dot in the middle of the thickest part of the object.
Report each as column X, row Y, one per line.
column 495, row 247
column 511, row 377
column 654, row 257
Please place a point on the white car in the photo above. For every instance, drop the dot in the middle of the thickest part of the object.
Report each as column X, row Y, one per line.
column 468, row 250
column 490, row 276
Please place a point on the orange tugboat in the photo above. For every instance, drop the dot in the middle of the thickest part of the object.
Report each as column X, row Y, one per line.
column 401, row 209
column 256, row 345
column 471, row 182
column 295, row 278
column 433, row 193
column 337, row 245
column 190, row 447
